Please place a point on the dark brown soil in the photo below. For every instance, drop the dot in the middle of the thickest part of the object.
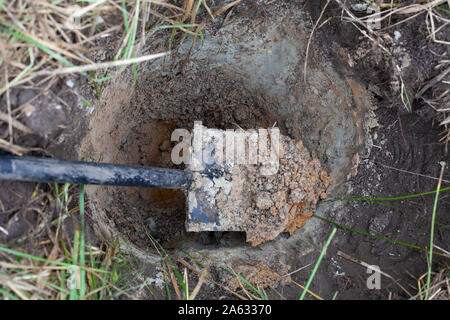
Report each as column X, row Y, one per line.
column 408, row 144
column 404, row 140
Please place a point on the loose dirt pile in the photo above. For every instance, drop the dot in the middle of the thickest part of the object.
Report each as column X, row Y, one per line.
column 256, row 273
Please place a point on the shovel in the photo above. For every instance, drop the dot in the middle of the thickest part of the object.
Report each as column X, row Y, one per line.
column 219, row 193
column 202, row 185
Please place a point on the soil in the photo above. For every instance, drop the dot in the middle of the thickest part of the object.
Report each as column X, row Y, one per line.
column 404, row 152
column 141, row 134
column 282, row 202
column 403, row 140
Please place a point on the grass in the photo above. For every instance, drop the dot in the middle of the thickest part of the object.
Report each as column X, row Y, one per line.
column 435, row 15
column 433, row 219
column 380, row 201
column 439, row 278
column 404, row 93
column 41, row 41
column 75, row 270
column 56, row 51
column 32, row 49
column 257, row 292
column 316, row 266
column 85, row 272
column 438, row 288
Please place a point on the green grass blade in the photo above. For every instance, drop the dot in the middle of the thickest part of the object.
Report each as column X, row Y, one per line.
column 102, row 292
column 159, row 248
column 63, row 282
column 74, row 270
column 54, row 286
column 132, row 34
column 392, row 198
column 375, row 236
column 16, row 33
column 193, row 258
column 241, row 278
column 125, row 16
column 35, row 258
column 92, row 278
column 407, row 212
column 322, row 253
column 82, row 246
column 368, row 234
column 335, row 295
column 9, row 295
column 152, row 292
column 66, row 252
column 169, row 296
column 442, row 9
column 433, row 218
column 28, row 69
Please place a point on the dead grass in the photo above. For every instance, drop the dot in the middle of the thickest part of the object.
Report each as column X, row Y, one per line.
column 62, row 265
column 439, row 288
column 435, row 19
column 42, row 40
column 38, row 38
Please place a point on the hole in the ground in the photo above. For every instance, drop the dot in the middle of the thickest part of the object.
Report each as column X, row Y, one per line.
column 255, row 82
column 141, row 135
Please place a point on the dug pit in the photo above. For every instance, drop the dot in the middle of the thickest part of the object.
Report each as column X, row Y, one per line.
column 253, row 79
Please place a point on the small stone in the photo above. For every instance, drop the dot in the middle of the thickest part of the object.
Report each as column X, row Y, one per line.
column 287, row 179
column 70, row 83
column 28, row 109
column 378, row 223
column 273, row 211
column 359, row 7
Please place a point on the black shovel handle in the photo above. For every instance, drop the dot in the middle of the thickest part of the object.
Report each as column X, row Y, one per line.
column 78, row 172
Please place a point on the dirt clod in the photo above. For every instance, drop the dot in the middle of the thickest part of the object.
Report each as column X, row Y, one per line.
column 284, row 201
column 257, row 274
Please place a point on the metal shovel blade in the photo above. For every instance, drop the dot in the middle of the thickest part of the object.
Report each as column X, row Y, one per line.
column 214, row 181
column 219, row 199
